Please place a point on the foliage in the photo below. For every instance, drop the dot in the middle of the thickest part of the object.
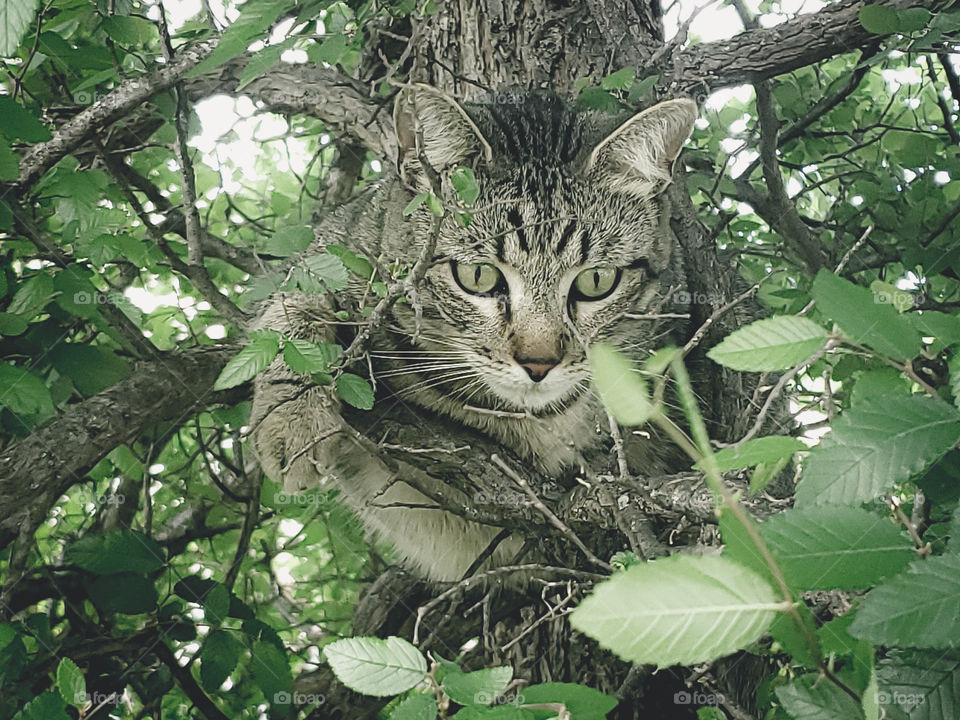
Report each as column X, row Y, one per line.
column 166, row 574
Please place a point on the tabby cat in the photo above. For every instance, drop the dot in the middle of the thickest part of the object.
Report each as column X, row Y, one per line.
column 569, row 244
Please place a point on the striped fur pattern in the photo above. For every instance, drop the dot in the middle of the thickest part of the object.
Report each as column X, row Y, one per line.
column 568, row 200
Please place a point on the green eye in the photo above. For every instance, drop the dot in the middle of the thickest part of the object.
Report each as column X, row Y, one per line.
column 476, row 278
column 595, row 283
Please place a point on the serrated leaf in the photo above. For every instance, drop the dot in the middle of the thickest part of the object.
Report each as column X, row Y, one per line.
column 372, row 666
column 271, row 672
column 116, row 551
column 307, row 357
column 879, row 20
column 415, row 707
column 417, row 201
column 355, row 390
column 15, row 17
column 481, row 687
column 9, row 162
column 329, row 269
column 622, row 391
column 465, row 183
column 256, row 17
column 23, row 393
column 48, row 706
column 71, row 684
column 584, row 703
column 19, row 123
column 875, row 445
column 126, row 593
column 678, row 610
column 812, row 697
column 620, row 80
column 916, row 685
column 776, row 343
column 216, row 604
column 359, row 266
column 754, row 452
column 219, row 658
column 836, row 547
column 263, row 61
column 249, row 362
column 918, row 608
column 289, row 241
column 864, row 320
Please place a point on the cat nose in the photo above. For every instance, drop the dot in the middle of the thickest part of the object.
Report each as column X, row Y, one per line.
column 537, row 368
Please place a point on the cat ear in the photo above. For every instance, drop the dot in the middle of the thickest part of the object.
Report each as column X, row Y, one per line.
column 637, row 158
column 430, row 121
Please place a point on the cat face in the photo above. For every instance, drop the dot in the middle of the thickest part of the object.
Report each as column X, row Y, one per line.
column 566, row 243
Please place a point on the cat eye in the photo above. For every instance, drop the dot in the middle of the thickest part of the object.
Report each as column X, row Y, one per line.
column 477, row 278
column 595, row 283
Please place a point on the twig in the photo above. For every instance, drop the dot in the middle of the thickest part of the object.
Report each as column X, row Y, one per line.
column 480, row 578
column 547, row 513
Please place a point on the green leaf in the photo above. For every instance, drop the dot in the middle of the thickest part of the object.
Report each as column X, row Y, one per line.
column 501, row 712
column 271, row 672
column 875, row 445
column 128, row 30
column 434, row 205
column 15, row 17
column 412, row 206
column 465, row 183
column 594, row 98
column 116, row 551
column 476, row 688
column 836, row 547
column 812, row 697
column 773, row 344
column 48, row 706
column 307, row 357
column 289, row 241
column 621, row 389
column 916, row 685
column 620, row 80
column 584, row 703
column 359, row 266
column 256, row 17
column 90, row 368
column 678, row 610
column 918, row 608
column 249, row 362
column 32, row 296
column 372, row 666
column 863, row 320
column 216, row 604
column 913, row 19
column 263, row 61
column 219, row 658
column 125, row 593
column 9, row 162
column 757, row 451
column 71, row 683
column 879, row 20
column 23, row 393
column 330, row 51
column 415, row 707
column 328, row 268
column 355, row 390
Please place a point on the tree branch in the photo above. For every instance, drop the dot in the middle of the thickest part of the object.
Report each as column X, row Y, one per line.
column 40, row 468
column 763, row 53
column 128, row 96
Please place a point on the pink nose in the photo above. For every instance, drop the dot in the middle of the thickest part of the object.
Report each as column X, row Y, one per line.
column 538, row 368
